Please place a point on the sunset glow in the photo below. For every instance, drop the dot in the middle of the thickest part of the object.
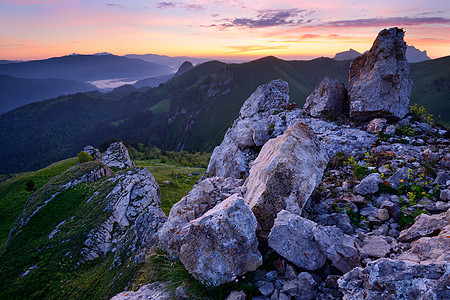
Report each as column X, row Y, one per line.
column 233, row 29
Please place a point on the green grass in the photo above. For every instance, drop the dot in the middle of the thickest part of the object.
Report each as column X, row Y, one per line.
column 13, row 195
column 180, row 183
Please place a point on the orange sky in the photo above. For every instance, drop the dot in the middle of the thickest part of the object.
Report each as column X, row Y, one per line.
column 227, row 29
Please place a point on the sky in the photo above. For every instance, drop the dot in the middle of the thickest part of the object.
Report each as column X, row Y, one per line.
column 221, row 29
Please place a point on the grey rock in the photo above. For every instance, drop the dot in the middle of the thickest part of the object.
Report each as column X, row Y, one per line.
column 396, row 279
column 306, row 244
column 236, row 295
column 425, row 225
column 135, row 215
column 340, row 220
column 375, row 246
column 221, row 244
column 445, row 195
column 301, row 288
column 257, row 123
column 154, row 290
column 441, row 178
column 378, row 80
column 425, row 127
column 117, row 156
column 341, row 249
column 350, row 141
column 390, row 130
column 428, row 250
column 382, row 214
column 369, row 184
column 399, row 177
column 328, row 97
column 203, row 197
column 376, row 125
column 94, row 152
column 284, row 175
column 266, row 289
column 292, row 237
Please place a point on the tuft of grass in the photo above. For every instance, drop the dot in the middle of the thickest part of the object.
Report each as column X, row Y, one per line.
column 173, row 180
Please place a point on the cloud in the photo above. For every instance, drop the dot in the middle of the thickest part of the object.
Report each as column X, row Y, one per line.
column 252, row 48
column 24, row 2
column 380, row 22
column 269, row 18
column 188, row 6
column 116, row 5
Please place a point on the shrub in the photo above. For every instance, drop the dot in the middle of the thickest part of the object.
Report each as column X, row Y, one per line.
column 84, row 157
column 30, row 185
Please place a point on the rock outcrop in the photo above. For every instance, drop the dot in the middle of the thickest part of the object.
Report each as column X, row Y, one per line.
column 308, row 245
column 378, row 80
column 396, row 279
column 221, row 244
column 135, row 215
column 154, row 290
column 425, row 225
column 116, row 156
column 94, row 152
column 203, row 197
column 285, row 174
column 259, row 120
column 328, row 97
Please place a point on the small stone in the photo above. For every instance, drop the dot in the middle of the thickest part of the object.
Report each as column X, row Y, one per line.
column 445, row 195
column 376, row 125
column 390, row 130
column 266, row 289
column 369, row 184
column 375, row 246
column 382, row 214
column 236, row 295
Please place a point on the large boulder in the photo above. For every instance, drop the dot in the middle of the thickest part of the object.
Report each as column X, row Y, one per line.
column 378, row 80
column 203, row 197
column 308, row 245
column 328, row 97
column 292, row 237
column 427, row 250
column 117, row 156
column 134, row 218
column 425, row 225
column 262, row 116
column 221, row 244
column 284, row 175
column 396, row 279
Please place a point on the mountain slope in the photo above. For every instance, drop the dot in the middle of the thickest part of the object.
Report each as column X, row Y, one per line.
column 19, row 91
column 85, row 68
column 432, row 86
column 190, row 112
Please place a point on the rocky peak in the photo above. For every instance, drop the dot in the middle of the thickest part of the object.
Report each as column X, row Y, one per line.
column 117, row 156
column 345, row 55
column 186, row 66
column 378, row 80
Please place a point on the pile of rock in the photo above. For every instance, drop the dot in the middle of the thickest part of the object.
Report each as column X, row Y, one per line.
column 339, row 228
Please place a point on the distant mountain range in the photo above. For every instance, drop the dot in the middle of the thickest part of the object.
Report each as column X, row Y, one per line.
column 16, row 92
column 190, row 112
column 85, row 68
column 413, row 55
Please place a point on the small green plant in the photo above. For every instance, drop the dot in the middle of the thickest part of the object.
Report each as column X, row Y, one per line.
column 84, row 157
column 276, row 112
column 271, row 128
column 355, row 218
column 382, row 137
column 405, row 131
column 359, row 171
column 337, row 161
column 421, row 113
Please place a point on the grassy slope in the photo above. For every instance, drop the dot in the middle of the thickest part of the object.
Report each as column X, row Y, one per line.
column 52, row 263
column 432, row 86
